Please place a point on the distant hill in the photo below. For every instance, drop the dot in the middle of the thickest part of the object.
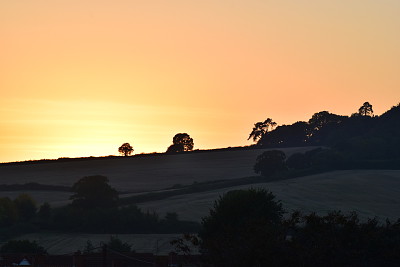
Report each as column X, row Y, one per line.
column 141, row 173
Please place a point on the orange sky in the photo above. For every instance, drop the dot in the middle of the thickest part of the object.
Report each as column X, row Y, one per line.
column 79, row 78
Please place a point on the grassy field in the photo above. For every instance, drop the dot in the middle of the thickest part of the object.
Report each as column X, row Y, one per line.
column 369, row 192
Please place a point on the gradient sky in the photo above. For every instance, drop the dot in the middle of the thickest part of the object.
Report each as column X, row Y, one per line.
column 81, row 77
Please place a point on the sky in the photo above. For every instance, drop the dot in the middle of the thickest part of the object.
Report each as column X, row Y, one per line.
column 80, row 77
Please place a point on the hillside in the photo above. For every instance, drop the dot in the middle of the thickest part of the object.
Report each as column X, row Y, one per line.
column 369, row 192
column 141, row 174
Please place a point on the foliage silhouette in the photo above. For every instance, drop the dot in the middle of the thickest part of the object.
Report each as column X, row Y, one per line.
column 8, row 212
column 116, row 244
column 94, row 192
column 242, row 228
column 261, row 128
column 341, row 240
column 245, row 228
column 366, row 110
column 26, row 207
column 270, row 162
column 125, row 149
column 286, row 135
column 357, row 138
column 181, row 142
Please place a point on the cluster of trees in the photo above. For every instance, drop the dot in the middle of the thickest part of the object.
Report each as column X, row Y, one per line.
column 95, row 208
column 247, row 228
column 362, row 134
column 180, row 143
column 21, row 209
column 273, row 164
column 362, row 141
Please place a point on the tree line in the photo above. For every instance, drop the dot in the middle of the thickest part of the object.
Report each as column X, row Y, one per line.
column 248, row 228
column 95, row 208
column 359, row 136
column 362, row 141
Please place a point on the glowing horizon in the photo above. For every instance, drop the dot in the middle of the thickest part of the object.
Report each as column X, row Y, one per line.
column 79, row 79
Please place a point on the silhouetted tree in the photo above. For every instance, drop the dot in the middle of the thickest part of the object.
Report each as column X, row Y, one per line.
column 321, row 126
column 322, row 119
column 116, row 244
column 8, row 212
column 181, row 142
column 242, row 229
column 261, row 128
column 270, row 162
column 185, row 244
column 175, row 148
column 26, row 207
column 286, row 135
column 342, row 240
column 126, row 149
column 92, row 192
column 366, row 110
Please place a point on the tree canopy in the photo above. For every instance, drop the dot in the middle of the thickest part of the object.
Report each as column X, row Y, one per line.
column 8, row 212
column 246, row 228
column 125, row 149
column 270, row 162
column 261, row 128
column 368, row 135
column 26, row 207
column 181, row 142
column 94, row 191
column 116, row 244
column 366, row 110
column 241, row 227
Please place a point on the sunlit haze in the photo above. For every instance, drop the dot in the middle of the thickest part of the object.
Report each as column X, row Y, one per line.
column 79, row 78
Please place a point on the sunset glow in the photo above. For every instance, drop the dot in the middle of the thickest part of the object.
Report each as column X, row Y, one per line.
column 79, row 78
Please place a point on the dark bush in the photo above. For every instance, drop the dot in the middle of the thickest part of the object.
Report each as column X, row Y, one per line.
column 270, row 162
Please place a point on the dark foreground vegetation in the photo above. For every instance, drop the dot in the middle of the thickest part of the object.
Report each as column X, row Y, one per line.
column 95, row 208
column 250, row 228
column 247, row 228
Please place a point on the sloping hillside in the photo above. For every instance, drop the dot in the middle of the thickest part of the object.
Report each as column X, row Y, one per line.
column 140, row 174
column 369, row 192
